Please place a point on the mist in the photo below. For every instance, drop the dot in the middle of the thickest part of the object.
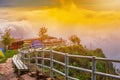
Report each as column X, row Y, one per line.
column 19, row 29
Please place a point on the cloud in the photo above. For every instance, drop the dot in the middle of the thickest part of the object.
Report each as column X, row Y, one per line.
column 28, row 3
column 73, row 15
column 86, row 4
column 19, row 29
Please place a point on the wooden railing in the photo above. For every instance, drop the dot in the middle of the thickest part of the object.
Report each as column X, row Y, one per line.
column 66, row 63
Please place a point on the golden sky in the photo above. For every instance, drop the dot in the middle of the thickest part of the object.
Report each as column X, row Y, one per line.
column 70, row 12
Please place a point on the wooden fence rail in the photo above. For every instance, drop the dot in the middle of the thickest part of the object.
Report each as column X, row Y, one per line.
column 66, row 63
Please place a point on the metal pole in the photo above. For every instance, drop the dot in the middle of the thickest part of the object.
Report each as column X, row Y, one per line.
column 93, row 68
column 42, row 61
column 51, row 64
column 66, row 64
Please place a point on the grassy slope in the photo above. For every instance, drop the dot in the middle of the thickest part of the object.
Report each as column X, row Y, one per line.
column 9, row 54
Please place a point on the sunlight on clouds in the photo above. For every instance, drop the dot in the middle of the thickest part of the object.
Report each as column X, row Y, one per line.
column 109, row 4
column 74, row 16
column 83, row 16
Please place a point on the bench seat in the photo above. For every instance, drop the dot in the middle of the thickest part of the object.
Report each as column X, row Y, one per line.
column 19, row 64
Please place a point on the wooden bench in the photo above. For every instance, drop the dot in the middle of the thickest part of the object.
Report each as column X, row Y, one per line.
column 19, row 64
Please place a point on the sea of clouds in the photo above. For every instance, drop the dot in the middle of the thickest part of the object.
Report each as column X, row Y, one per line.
column 19, row 29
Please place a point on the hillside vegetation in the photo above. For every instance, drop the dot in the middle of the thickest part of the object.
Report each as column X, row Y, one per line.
column 102, row 66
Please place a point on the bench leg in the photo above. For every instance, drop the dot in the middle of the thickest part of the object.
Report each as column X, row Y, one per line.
column 18, row 73
column 15, row 69
column 13, row 65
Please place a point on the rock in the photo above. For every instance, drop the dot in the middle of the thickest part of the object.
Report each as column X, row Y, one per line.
column 13, row 79
column 32, row 74
column 27, row 77
column 6, row 69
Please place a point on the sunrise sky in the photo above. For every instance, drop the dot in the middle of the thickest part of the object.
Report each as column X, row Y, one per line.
column 96, row 22
column 64, row 11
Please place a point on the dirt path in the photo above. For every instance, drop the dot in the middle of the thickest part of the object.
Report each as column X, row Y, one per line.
column 7, row 71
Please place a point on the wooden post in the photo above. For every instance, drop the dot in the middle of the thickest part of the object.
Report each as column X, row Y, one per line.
column 93, row 68
column 29, row 60
column 36, row 62
column 66, row 68
column 42, row 61
column 51, row 64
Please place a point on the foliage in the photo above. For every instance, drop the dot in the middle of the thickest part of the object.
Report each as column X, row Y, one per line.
column 43, row 34
column 7, row 39
column 74, row 39
column 9, row 54
column 43, row 31
column 102, row 66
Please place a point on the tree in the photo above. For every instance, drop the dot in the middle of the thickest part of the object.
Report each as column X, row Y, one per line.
column 43, row 34
column 42, row 31
column 74, row 39
column 7, row 39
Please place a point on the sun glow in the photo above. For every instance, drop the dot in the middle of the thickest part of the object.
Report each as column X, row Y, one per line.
column 79, row 15
column 68, row 14
column 73, row 15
